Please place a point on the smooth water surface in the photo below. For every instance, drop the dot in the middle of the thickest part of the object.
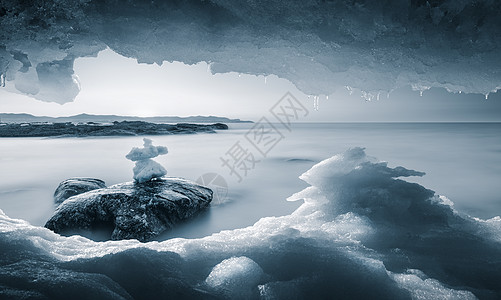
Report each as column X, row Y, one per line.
column 462, row 162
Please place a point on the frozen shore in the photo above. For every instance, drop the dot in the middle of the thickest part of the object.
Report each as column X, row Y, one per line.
column 362, row 232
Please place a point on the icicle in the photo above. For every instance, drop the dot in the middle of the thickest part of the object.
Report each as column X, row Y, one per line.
column 2, row 80
column 421, row 93
column 349, row 89
column 315, row 102
column 486, row 96
column 367, row 96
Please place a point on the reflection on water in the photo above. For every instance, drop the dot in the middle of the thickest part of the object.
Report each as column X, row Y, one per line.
column 462, row 161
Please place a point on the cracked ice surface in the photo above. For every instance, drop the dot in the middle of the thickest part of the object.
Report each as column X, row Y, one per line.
column 320, row 46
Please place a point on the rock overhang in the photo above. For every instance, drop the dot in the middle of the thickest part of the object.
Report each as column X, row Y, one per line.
column 320, row 46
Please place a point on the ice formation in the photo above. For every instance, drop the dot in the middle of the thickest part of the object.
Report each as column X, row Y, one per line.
column 235, row 277
column 318, row 45
column 362, row 232
column 146, row 168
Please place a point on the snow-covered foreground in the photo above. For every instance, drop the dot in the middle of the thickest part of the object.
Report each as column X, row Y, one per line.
column 361, row 233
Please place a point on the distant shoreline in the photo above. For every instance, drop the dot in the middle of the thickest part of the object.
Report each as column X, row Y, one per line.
column 124, row 128
column 86, row 118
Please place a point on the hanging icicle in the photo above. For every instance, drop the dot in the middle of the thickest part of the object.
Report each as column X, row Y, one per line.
column 315, row 102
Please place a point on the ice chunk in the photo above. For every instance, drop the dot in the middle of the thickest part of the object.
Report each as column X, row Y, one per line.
column 423, row 288
column 236, row 277
column 148, row 151
column 146, row 168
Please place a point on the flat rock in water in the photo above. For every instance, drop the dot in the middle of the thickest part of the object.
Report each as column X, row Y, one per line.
column 130, row 210
column 124, row 128
column 75, row 186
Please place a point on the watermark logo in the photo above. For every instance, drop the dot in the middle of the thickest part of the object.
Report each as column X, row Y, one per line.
column 288, row 109
column 217, row 184
column 263, row 137
column 241, row 158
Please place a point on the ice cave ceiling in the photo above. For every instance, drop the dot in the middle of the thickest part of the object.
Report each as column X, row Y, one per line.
column 319, row 45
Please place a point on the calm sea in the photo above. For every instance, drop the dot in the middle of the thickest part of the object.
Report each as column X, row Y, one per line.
column 462, row 161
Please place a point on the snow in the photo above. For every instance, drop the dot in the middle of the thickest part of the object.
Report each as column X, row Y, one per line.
column 235, row 277
column 320, row 46
column 423, row 288
column 362, row 232
column 145, row 168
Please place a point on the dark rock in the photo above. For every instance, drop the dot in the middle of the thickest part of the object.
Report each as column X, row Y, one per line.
column 75, row 186
column 298, row 160
column 124, row 128
column 220, row 126
column 130, row 210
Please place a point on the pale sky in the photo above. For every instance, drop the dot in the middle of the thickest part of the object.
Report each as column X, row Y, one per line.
column 112, row 84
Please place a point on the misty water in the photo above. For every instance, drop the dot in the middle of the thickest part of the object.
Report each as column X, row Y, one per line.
column 462, row 161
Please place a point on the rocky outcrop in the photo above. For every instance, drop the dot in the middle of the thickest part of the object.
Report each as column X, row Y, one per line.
column 124, row 128
column 75, row 186
column 130, row 210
